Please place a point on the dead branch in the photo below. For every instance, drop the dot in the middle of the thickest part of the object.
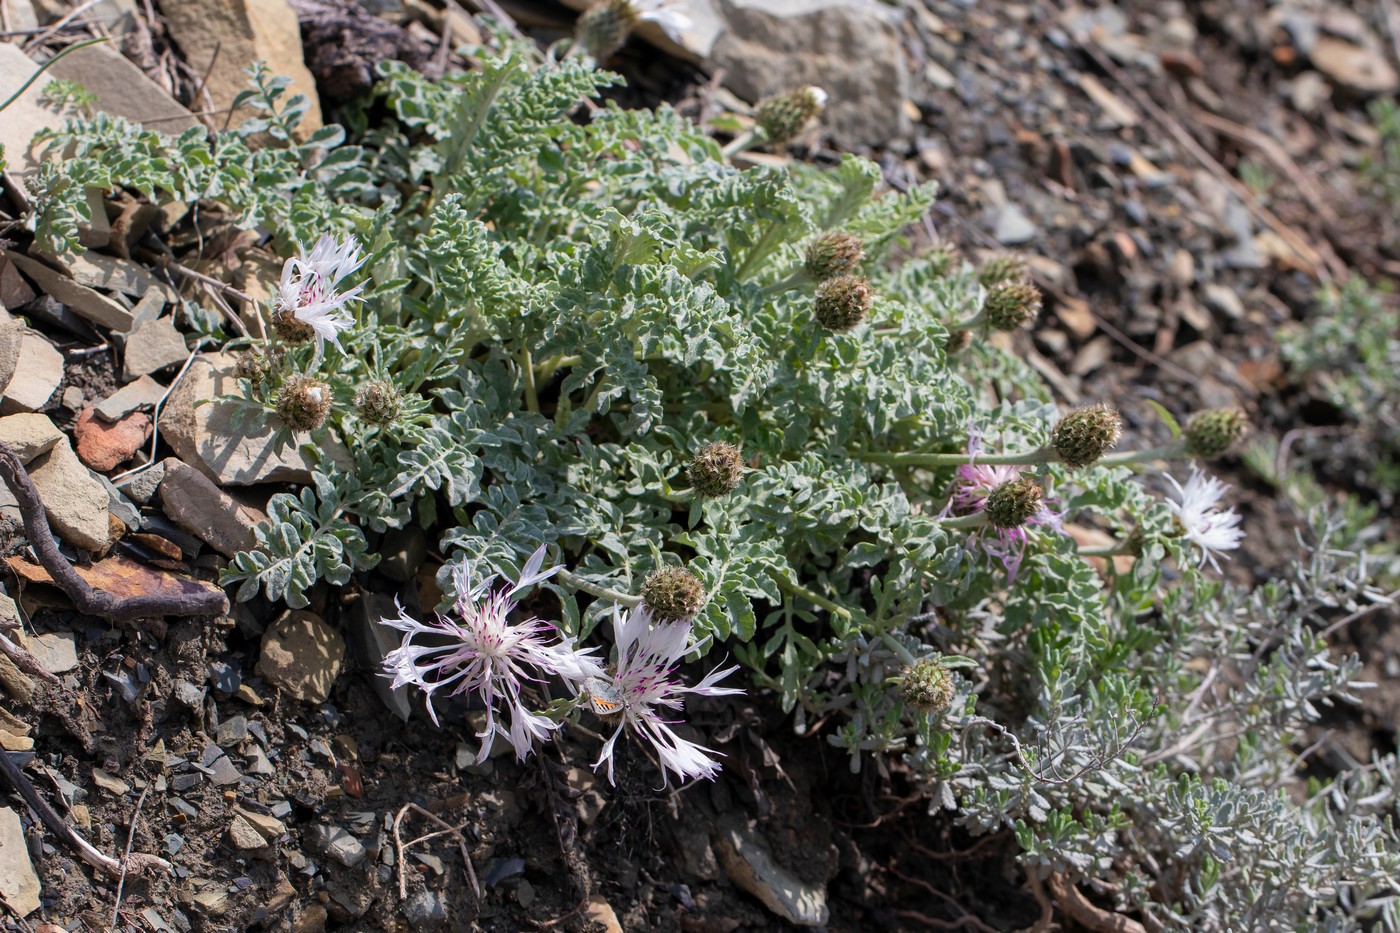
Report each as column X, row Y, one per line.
column 1084, row 912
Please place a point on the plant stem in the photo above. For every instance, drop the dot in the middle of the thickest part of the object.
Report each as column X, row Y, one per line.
column 741, row 142
column 907, row 458
column 596, row 589
column 893, row 644
column 555, row 363
column 1106, row 550
column 975, row 520
column 794, row 279
column 527, row 366
column 1165, row 452
column 794, row 589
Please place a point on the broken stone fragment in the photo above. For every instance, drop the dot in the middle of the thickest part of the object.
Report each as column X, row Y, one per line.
column 88, row 302
column 204, row 437
column 19, row 885
column 152, row 346
column 192, row 501
column 76, row 503
column 29, row 435
column 103, row 446
column 301, row 654
column 37, row 374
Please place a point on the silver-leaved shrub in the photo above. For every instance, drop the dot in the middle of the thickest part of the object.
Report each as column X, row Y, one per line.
column 564, row 310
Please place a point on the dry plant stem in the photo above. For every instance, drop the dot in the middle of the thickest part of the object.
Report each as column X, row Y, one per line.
column 26, row 661
column 1073, row 902
column 126, row 857
column 1046, row 921
column 84, row 849
column 447, row 829
column 85, row 598
column 58, row 25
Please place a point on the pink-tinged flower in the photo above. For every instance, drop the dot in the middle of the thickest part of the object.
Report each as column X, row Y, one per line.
column 308, row 289
column 644, row 683
column 479, row 650
column 973, row 483
column 664, row 14
column 1204, row 524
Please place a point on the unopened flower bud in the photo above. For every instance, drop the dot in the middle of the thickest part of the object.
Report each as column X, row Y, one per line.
column 717, row 470
column 941, row 260
column 927, row 685
column 1012, row 504
column 1212, row 433
column 1011, row 305
column 304, row 403
column 673, row 594
column 783, row 118
column 290, row 328
column 603, row 29
column 256, row 365
column 835, row 253
column 1086, row 434
column 1006, row 267
column 843, row 302
column 377, row 402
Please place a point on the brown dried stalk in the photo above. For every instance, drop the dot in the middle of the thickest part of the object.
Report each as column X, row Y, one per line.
column 86, row 599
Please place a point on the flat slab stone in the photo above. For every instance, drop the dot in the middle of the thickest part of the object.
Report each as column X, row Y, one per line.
column 75, row 502
column 18, row 882
column 38, row 373
column 151, row 347
column 88, row 302
column 204, row 436
column 123, row 89
column 29, row 435
column 145, row 392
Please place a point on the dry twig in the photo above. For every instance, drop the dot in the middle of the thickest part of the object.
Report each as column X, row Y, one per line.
column 86, row 599
column 1084, row 912
column 126, row 857
column 400, row 846
column 140, row 862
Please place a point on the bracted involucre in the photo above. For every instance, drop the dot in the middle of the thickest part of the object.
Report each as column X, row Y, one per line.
column 304, row 402
column 1086, row 434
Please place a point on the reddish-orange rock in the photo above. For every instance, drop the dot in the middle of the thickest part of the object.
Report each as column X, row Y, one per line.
column 103, row 445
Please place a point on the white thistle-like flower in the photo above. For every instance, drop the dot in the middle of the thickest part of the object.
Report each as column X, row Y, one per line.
column 1206, row 526
column 644, row 683
column 480, row 651
column 308, row 289
column 665, row 14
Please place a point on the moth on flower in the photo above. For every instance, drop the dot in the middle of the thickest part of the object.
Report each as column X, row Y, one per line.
column 644, row 685
column 308, row 295
column 1204, row 524
column 479, row 650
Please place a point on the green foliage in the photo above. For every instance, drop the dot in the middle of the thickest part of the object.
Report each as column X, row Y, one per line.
column 572, row 305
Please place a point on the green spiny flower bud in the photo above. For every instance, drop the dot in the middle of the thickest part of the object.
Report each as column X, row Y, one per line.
column 835, row 253
column 927, row 685
column 1006, row 267
column 958, row 341
column 1010, row 305
column 377, row 401
column 257, row 365
column 843, row 302
column 1012, row 504
column 304, row 403
column 942, row 260
column 673, row 594
column 289, row 328
column 603, row 29
column 783, row 118
column 717, row 470
column 1086, row 434
column 1212, row 433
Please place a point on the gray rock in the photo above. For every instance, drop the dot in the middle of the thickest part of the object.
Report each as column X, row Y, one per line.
column 29, row 435
column 76, row 503
column 1012, row 226
column 204, row 436
column 27, row 115
column 109, row 273
column 88, row 302
column 73, row 398
column 336, row 844
column 190, row 695
column 425, row 908
column 194, row 503
column 373, row 641
column 153, row 346
column 258, row 762
column 38, row 372
column 403, row 550
column 231, row 731
column 218, row 38
column 849, row 48
column 243, row 837
column 301, row 655
column 56, row 652
column 121, row 87
column 142, row 486
column 145, row 392
column 19, row 885
column 1360, row 68
column 748, row 863
column 225, row 772
column 119, row 505
column 11, row 340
